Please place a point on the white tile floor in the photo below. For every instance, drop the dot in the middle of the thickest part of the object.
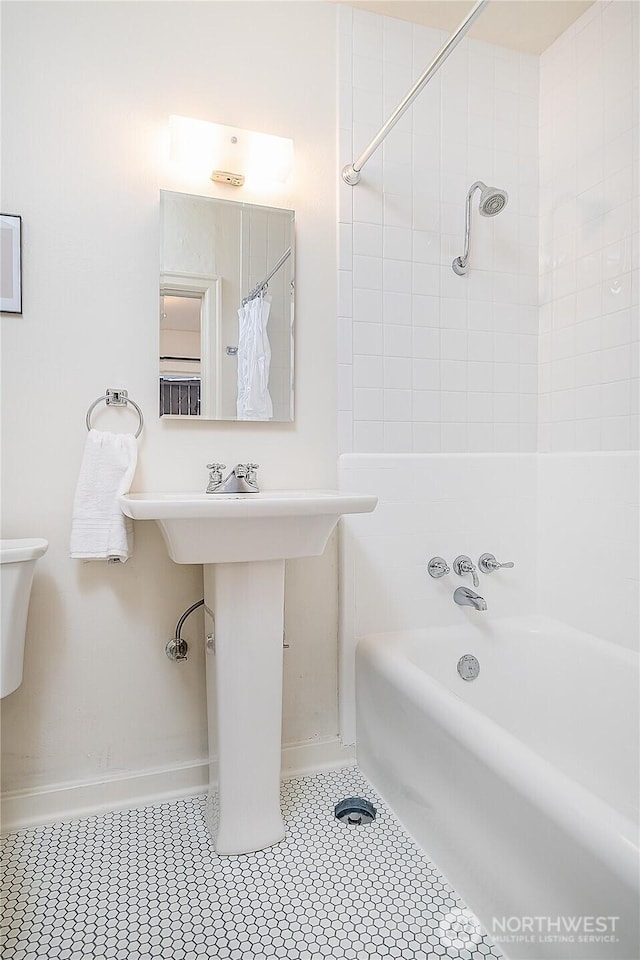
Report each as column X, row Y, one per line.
column 146, row 883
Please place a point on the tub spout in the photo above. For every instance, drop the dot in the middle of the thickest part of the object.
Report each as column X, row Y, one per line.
column 467, row 598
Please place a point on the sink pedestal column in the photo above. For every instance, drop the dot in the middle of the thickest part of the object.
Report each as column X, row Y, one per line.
column 244, row 703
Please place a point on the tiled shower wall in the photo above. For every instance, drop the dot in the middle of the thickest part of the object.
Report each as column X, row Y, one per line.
column 589, row 242
column 430, row 361
column 588, row 511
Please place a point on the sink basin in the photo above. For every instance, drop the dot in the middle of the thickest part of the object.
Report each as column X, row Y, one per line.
column 243, row 540
column 230, row 528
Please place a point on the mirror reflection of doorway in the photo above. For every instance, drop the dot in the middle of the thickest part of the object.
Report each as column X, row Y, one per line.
column 180, row 361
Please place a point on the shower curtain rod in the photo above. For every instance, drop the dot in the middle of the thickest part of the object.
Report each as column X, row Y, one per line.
column 258, row 287
column 351, row 173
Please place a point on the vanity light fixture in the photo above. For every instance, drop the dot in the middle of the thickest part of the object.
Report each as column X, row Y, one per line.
column 228, row 154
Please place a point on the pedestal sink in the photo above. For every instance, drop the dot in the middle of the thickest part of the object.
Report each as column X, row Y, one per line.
column 242, row 542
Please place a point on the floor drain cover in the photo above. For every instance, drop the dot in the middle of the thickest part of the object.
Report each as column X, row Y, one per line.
column 355, row 812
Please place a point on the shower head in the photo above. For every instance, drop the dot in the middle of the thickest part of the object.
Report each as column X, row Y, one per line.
column 492, row 201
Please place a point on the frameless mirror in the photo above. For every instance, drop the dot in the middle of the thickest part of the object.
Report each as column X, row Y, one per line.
column 226, row 309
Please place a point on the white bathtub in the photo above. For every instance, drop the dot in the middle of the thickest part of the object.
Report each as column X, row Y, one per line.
column 521, row 785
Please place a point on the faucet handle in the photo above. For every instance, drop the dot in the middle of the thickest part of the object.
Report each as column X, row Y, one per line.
column 251, row 471
column 463, row 565
column 216, row 471
column 488, row 563
column 437, row 567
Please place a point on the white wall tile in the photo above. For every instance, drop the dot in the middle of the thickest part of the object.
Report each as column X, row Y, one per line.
column 397, row 276
column 426, row 406
column 367, row 272
column 398, row 437
column 425, row 311
column 345, row 386
column 425, row 374
column 367, row 239
column 454, row 437
column 368, row 371
column 453, row 406
column 521, row 324
column 397, row 340
column 398, row 373
column 398, row 243
column 586, row 155
column 367, row 306
column 367, row 338
column 397, row 406
column 368, row 437
column 396, row 307
column 426, row 437
column 453, row 375
column 367, row 404
column 426, row 343
column 453, row 344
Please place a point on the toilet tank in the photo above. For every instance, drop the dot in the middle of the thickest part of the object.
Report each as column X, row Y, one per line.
column 17, row 565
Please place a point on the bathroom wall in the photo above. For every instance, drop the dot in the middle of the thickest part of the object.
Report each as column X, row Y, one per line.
column 589, row 240
column 430, row 361
column 460, row 374
column 437, row 373
column 431, row 505
column 590, row 324
column 589, row 543
column 87, row 91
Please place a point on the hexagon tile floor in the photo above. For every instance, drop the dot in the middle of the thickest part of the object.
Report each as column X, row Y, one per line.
column 146, row 883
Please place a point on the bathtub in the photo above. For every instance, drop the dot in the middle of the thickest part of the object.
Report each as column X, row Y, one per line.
column 520, row 785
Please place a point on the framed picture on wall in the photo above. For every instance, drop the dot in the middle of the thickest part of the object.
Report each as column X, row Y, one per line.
column 10, row 263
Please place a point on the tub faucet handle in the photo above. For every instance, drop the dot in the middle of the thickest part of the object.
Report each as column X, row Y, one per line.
column 488, row 563
column 437, row 567
column 463, row 565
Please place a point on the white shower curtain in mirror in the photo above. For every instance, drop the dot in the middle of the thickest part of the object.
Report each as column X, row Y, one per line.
column 254, row 359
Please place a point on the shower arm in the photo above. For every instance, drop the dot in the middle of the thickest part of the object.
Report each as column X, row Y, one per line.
column 351, row 173
column 464, row 259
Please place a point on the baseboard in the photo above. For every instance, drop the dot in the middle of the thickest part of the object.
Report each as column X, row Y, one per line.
column 69, row 801
column 312, row 756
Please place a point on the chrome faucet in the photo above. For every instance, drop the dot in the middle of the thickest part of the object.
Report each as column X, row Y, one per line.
column 242, row 479
column 488, row 563
column 464, row 564
column 465, row 597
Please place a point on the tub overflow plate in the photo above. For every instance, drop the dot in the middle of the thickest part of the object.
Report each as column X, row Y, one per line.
column 355, row 811
column 468, row 667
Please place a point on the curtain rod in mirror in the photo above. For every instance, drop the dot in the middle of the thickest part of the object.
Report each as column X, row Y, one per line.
column 260, row 286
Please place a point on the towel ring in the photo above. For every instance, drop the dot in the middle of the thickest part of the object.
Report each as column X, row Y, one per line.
column 116, row 398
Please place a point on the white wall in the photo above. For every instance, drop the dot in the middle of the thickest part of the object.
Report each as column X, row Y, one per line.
column 570, row 521
column 589, row 543
column 430, row 361
column 589, row 530
column 589, row 240
column 87, row 92
column 432, row 505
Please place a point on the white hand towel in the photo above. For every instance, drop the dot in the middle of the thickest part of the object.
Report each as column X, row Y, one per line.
column 99, row 529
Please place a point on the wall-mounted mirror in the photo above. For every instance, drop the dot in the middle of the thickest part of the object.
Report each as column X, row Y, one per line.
column 226, row 309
